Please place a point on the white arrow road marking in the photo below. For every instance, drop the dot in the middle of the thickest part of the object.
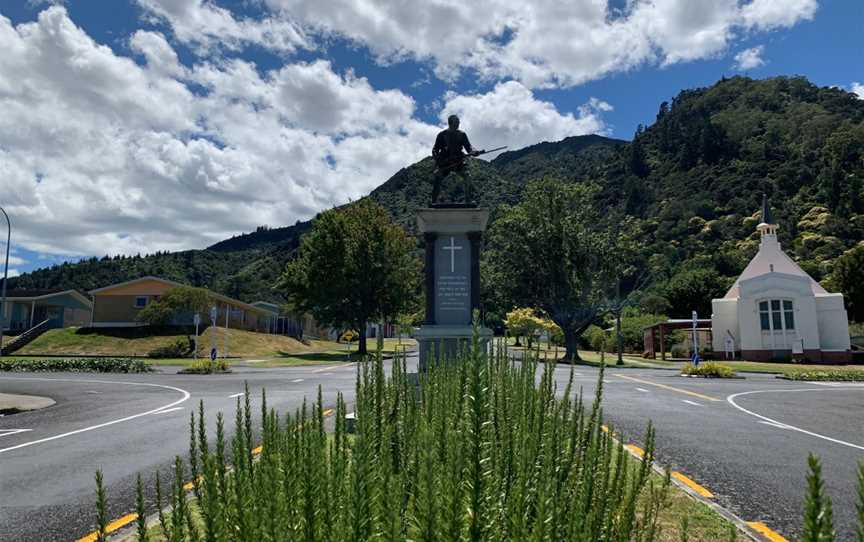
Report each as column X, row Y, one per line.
column 297, row 380
column 185, row 393
column 7, row 432
column 643, row 390
column 236, row 395
column 689, row 402
column 731, row 400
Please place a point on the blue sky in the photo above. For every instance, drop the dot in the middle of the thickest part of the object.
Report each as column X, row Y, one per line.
column 170, row 124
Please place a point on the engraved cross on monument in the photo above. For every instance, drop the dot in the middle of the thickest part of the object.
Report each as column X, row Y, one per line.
column 453, row 239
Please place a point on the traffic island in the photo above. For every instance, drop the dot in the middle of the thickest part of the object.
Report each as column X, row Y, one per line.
column 13, row 404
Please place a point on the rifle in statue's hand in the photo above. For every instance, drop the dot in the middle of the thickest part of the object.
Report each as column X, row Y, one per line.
column 443, row 163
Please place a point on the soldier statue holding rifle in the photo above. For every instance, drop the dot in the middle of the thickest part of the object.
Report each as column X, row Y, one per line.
column 449, row 158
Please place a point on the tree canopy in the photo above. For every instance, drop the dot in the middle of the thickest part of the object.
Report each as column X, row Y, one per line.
column 551, row 251
column 354, row 267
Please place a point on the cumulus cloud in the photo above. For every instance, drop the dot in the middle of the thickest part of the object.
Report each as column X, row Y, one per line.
column 203, row 24
column 749, row 59
column 511, row 115
column 858, row 88
column 101, row 154
column 541, row 43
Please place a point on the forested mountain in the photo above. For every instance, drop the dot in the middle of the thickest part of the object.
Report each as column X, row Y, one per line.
column 694, row 180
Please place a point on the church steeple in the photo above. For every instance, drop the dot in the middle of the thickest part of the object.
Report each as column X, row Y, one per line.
column 767, row 226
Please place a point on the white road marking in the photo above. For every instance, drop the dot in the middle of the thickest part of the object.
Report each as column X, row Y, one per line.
column 7, row 432
column 235, row 395
column 297, row 380
column 167, row 410
column 643, row 390
column 689, row 402
column 777, row 425
column 255, row 360
column 326, row 374
column 185, row 393
column 731, row 400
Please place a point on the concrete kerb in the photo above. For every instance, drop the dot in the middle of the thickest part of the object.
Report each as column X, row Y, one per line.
column 724, row 512
column 12, row 404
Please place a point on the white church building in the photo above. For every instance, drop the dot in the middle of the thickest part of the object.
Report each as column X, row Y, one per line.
column 775, row 310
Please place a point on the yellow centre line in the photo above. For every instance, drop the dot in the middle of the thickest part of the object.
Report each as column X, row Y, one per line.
column 111, row 527
column 327, row 412
column 670, row 388
column 701, row 490
column 766, row 531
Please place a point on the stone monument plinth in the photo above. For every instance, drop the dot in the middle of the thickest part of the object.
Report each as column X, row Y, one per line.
column 453, row 236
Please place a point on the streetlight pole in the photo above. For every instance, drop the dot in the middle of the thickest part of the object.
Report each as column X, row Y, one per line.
column 5, row 277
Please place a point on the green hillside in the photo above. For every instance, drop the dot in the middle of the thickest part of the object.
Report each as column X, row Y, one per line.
column 694, row 179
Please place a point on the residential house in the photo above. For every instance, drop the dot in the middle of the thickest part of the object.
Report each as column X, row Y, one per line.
column 118, row 305
column 27, row 308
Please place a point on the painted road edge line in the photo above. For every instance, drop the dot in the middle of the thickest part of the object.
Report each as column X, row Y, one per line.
column 185, row 393
column 686, row 480
column 111, row 527
column 667, row 387
column 766, row 531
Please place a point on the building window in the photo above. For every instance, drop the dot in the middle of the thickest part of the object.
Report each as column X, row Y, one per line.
column 140, row 301
column 776, row 315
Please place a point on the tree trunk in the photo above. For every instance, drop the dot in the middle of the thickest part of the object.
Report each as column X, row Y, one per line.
column 361, row 348
column 571, row 343
column 620, row 338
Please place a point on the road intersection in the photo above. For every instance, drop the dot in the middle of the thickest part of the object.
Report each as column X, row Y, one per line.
column 745, row 440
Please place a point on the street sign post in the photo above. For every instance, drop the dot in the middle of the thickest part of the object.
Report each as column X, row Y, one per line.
column 214, row 314
column 197, row 320
column 695, row 358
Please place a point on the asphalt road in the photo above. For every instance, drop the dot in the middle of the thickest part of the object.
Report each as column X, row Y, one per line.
column 745, row 440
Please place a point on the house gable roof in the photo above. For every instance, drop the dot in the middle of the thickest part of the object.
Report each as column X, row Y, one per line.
column 41, row 295
column 215, row 295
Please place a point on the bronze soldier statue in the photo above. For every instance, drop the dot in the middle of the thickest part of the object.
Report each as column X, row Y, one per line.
column 449, row 158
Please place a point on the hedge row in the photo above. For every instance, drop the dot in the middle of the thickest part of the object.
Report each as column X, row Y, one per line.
column 708, row 370
column 75, row 365
column 827, row 375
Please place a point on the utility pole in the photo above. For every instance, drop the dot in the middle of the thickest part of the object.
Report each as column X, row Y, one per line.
column 5, row 278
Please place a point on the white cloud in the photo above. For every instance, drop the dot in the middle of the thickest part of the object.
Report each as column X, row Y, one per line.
column 101, row 155
column 510, row 115
column 13, row 273
column 749, row 59
column 857, row 88
column 540, row 43
column 205, row 25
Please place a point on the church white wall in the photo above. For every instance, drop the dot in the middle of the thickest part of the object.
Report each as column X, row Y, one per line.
column 724, row 316
column 777, row 286
column 833, row 322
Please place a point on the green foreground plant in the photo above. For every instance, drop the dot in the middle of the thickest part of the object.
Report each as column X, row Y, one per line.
column 477, row 451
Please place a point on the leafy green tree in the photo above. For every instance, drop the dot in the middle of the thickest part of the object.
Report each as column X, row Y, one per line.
column 354, row 267
column 693, row 289
column 550, row 251
column 654, row 304
column 177, row 300
column 848, row 278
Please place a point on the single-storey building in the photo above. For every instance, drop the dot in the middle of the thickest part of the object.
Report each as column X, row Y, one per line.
column 27, row 308
column 118, row 305
column 775, row 310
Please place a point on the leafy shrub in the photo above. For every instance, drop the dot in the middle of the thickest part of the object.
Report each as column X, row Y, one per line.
column 179, row 348
column 829, row 375
column 708, row 370
column 205, row 366
column 478, row 452
column 76, row 365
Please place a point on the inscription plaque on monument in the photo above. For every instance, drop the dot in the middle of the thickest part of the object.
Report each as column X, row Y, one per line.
column 453, row 280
